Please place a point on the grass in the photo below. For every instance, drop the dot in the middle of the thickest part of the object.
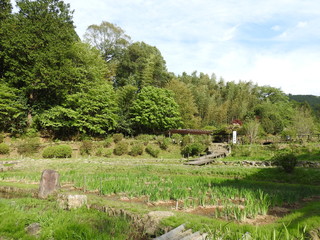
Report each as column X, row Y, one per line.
column 166, row 178
column 17, row 214
column 292, row 227
column 304, row 152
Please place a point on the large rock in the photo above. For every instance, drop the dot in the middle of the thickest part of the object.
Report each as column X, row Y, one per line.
column 33, row 229
column 72, row 201
column 49, row 183
column 152, row 220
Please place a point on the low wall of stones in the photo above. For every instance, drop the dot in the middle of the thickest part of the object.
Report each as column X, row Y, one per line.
column 249, row 163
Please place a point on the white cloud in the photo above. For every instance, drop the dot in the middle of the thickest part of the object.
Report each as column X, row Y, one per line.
column 276, row 28
column 295, row 72
column 302, row 24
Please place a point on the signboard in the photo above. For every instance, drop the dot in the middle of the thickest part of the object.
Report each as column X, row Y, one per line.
column 234, row 137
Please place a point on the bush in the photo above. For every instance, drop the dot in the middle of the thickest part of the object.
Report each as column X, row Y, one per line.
column 187, row 139
column 203, row 139
column 145, row 138
column 101, row 152
column 287, row 161
column 136, row 150
column 117, row 137
column 2, row 137
column 28, row 146
column 60, row 151
column 121, row 148
column 243, row 150
column 86, row 147
column 154, row 152
column 176, row 138
column 4, row 148
column 107, row 142
column 163, row 142
column 192, row 149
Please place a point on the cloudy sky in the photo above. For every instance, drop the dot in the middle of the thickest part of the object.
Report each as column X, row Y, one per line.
column 269, row 42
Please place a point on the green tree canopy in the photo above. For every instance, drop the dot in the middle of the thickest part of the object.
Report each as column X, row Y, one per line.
column 274, row 109
column 12, row 110
column 141, row 65
column 108, row 38
column 36, row 45
column 125, row 97
column 155, row 110
column 93, row 113
column 5, row 14
column 187, row 107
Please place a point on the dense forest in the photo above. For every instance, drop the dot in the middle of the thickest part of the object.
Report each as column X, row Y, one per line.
column 53, row 82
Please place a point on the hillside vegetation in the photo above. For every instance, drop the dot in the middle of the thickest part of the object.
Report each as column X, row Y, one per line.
column 54, row 83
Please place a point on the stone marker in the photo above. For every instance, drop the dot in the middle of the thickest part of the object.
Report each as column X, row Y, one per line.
column 49, row 183
column 72, row 201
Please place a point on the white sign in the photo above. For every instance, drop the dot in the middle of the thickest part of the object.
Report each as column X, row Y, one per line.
column 234, row 137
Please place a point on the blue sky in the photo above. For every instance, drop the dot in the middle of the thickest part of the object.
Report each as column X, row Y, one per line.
column 268, row 42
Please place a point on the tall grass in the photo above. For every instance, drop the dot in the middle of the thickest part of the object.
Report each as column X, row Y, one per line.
column 55, row 223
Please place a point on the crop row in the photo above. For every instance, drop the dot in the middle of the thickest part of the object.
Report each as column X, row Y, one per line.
column 231, row 198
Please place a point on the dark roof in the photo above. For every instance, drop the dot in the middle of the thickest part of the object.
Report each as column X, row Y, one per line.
column 189, row 131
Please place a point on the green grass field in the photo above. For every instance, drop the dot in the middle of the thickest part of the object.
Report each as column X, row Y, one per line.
column 228, row 202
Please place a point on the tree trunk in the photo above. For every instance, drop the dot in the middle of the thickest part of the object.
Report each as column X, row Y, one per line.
column 29, row 118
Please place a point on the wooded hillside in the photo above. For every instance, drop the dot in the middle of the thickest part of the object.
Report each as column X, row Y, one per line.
column 52, row 82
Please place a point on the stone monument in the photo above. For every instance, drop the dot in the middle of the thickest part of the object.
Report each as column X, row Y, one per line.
column 49, row 183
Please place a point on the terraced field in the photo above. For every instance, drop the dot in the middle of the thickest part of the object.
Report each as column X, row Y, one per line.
column 227, row 202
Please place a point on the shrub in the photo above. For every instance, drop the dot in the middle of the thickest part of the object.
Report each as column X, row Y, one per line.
column 28, row 146
column 121, row 148
column 86, row 147
column 4, row 148
column 287, row 161
column 154, row 152
column 163, row 142
column 107, row 142
column 117, row 137
column 176, row 138
column 192, row 149
column 2, row 137
column 242, row 151
column 187, row 139
column 145, row 138
column 203, row 139
column 60, row 151
column 136, row 150
column 107, row 152
column 102, row 152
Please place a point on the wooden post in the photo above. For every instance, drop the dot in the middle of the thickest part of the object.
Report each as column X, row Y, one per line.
column 84, row 184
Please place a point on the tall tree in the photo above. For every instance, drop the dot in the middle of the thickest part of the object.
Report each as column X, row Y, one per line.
column 92, row 112
column 303, row 121
column 251, row 128
column 108, row 38
column 141, row 65
column 12, row 110
column 5, row 14
column 126, row 95
column 36, row 47
column 155, row 110
column 5, row 9
column 274, row 109
column 184, row 98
